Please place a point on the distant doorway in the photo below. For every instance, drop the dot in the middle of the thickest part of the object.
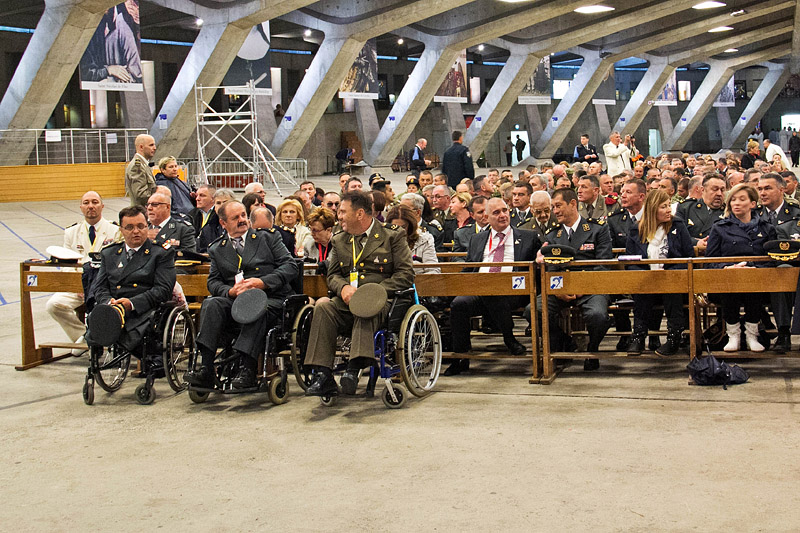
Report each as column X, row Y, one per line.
column 520, row 155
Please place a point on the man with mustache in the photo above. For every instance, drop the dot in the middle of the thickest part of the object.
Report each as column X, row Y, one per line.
column 242, row 259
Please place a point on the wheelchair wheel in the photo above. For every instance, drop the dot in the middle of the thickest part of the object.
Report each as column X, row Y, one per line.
column 278, row 390
column 178, row 343
column 145, row 394
column 392, row 403
column 328, row 401
column 198, row 397
column 300, row 333
column 88, row 392
column 420, row 347
column 110, row 366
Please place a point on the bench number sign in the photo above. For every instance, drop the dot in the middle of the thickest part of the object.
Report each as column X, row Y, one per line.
column 556, row 282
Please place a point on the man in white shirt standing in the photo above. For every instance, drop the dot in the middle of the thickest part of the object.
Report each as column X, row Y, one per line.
column 618, row 154
column 771, row 149
column 89, row 235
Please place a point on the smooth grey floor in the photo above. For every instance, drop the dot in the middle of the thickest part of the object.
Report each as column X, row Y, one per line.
column 629, row 448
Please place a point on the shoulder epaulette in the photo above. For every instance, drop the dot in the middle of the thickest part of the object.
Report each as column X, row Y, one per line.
column 218, row 239
column 599, row 221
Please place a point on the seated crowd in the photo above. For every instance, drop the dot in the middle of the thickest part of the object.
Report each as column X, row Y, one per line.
column 657, row 208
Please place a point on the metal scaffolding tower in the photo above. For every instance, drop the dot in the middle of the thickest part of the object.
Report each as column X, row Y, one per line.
column 229, row 149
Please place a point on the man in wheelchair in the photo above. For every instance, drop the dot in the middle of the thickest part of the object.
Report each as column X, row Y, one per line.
column 242, row 259
column 135, row 276
column 364, row 252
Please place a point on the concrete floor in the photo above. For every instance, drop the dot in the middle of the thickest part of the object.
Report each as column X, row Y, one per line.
column 631, row 448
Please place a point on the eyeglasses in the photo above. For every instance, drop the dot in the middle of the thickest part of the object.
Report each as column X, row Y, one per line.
column 156, row 204
column 314, row 231
column 537, row 212
column 331, row 204
column 131, row 227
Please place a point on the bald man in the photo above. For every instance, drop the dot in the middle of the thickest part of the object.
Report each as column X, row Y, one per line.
column 84, row 237
column 139, row 180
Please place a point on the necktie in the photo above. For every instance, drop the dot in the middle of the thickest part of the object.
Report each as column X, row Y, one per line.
column 238, row 245
column 773, row 217
column 92, row 234
column 499, row 252
column 130, row 253
column 589, row 210
column 569, row 234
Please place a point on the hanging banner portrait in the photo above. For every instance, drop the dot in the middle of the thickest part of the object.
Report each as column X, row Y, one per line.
column 669, row 96
column 361, row 82
column 537, row 90
column 251, row 64
column 606, row 94
column 727, row 96
column 454, row 87
column 112, row 61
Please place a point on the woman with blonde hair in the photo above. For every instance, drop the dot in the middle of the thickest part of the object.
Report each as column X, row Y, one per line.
column 421, row 244
column 742, row 232
column 658, row 236
column 459, row 208
column 289, row 216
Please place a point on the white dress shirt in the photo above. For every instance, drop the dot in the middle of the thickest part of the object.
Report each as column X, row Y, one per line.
column 491, row 246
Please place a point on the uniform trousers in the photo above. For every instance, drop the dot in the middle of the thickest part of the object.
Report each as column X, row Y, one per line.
column 217, row 327
column 594, row 309
column 61, row 306
column 332, row 318
column 782, row 304
column 497, row 307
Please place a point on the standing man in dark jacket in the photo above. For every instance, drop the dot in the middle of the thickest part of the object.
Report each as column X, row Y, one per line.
column 586, row 152
column 794, row 148
column 418, row 161
column 242, row 259
column 457, row 161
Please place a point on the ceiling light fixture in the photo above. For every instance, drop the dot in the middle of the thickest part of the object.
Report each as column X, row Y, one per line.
column 480, row 48
column 708, row 5
column 400, row 40
column 731, row 50
column 198, row 22
column 739, row 13
column 307, row 33
column 589, row 10
column 720, row 29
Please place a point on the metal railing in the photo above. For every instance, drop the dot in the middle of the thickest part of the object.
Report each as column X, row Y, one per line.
column 235, row 174
column 71, row 146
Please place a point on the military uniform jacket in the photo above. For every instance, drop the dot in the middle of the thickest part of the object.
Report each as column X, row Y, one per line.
column 584, row 151
column 526, row 244
column 264, row 257
column 139, row 180
column 210, row 233
column 519, row 218
column 386, row 259
column 457, row 164
column 591, row 240
column 146, row 280
column 788, row 212
column 620, row 223
column 601, row 209
column 436, row 230
column 730, row 237
column 698, row 217
column 462, row 236
column 541, row 230
column 180, row 230
column 76, row 237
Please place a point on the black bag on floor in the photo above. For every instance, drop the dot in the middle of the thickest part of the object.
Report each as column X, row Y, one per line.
column 707, row 370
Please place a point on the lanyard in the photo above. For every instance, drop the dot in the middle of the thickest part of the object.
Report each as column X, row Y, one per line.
column 205, row 217
column 498, row 244
column 324, row 256
column 356, row 257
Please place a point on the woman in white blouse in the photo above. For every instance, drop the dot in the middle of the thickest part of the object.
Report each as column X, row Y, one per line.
column 421, row 243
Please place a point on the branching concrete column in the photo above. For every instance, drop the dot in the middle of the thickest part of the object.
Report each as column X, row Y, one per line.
column 580, row 93
column 49, row 61
column 502, row 96
column 637, row 107
column 319, row 85
column 767, row 91
column 209, row 59
column 417, row 93
column 368, row 126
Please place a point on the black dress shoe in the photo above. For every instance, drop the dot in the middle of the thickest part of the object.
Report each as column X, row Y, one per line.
column 783, row 343
column 456, row 367
column 654, row 343
column 245, row 379
column 516, row 348
column 202, row 377
column 324, row 385
column 591, row 364
column 622, row 343
column 349, row 381
column 636, row 344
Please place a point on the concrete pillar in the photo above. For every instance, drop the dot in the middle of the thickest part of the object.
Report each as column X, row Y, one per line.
column 320, row 83
column 265, row 118
column 412, row 101
column 49, row 61
column 724, row 121
column 206, row 65
column 637, row 107
column 767, row 91
column 580, row 93
column 454, row 116
column 534, row 117
column 368, row 126
column 603, row 123
column 502, row 96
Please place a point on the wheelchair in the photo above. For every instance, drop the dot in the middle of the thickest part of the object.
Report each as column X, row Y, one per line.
column 170, row 335
column 408, row 347
column 272, row 374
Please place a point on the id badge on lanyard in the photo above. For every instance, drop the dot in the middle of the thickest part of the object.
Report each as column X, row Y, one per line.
column 354, row 278
column 239, row 275
column 354, row 272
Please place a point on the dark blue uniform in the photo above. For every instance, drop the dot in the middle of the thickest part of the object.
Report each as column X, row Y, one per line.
column 457, row 164
column 731, row 237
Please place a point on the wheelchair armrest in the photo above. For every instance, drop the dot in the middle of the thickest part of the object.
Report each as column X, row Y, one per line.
column 404, row 293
